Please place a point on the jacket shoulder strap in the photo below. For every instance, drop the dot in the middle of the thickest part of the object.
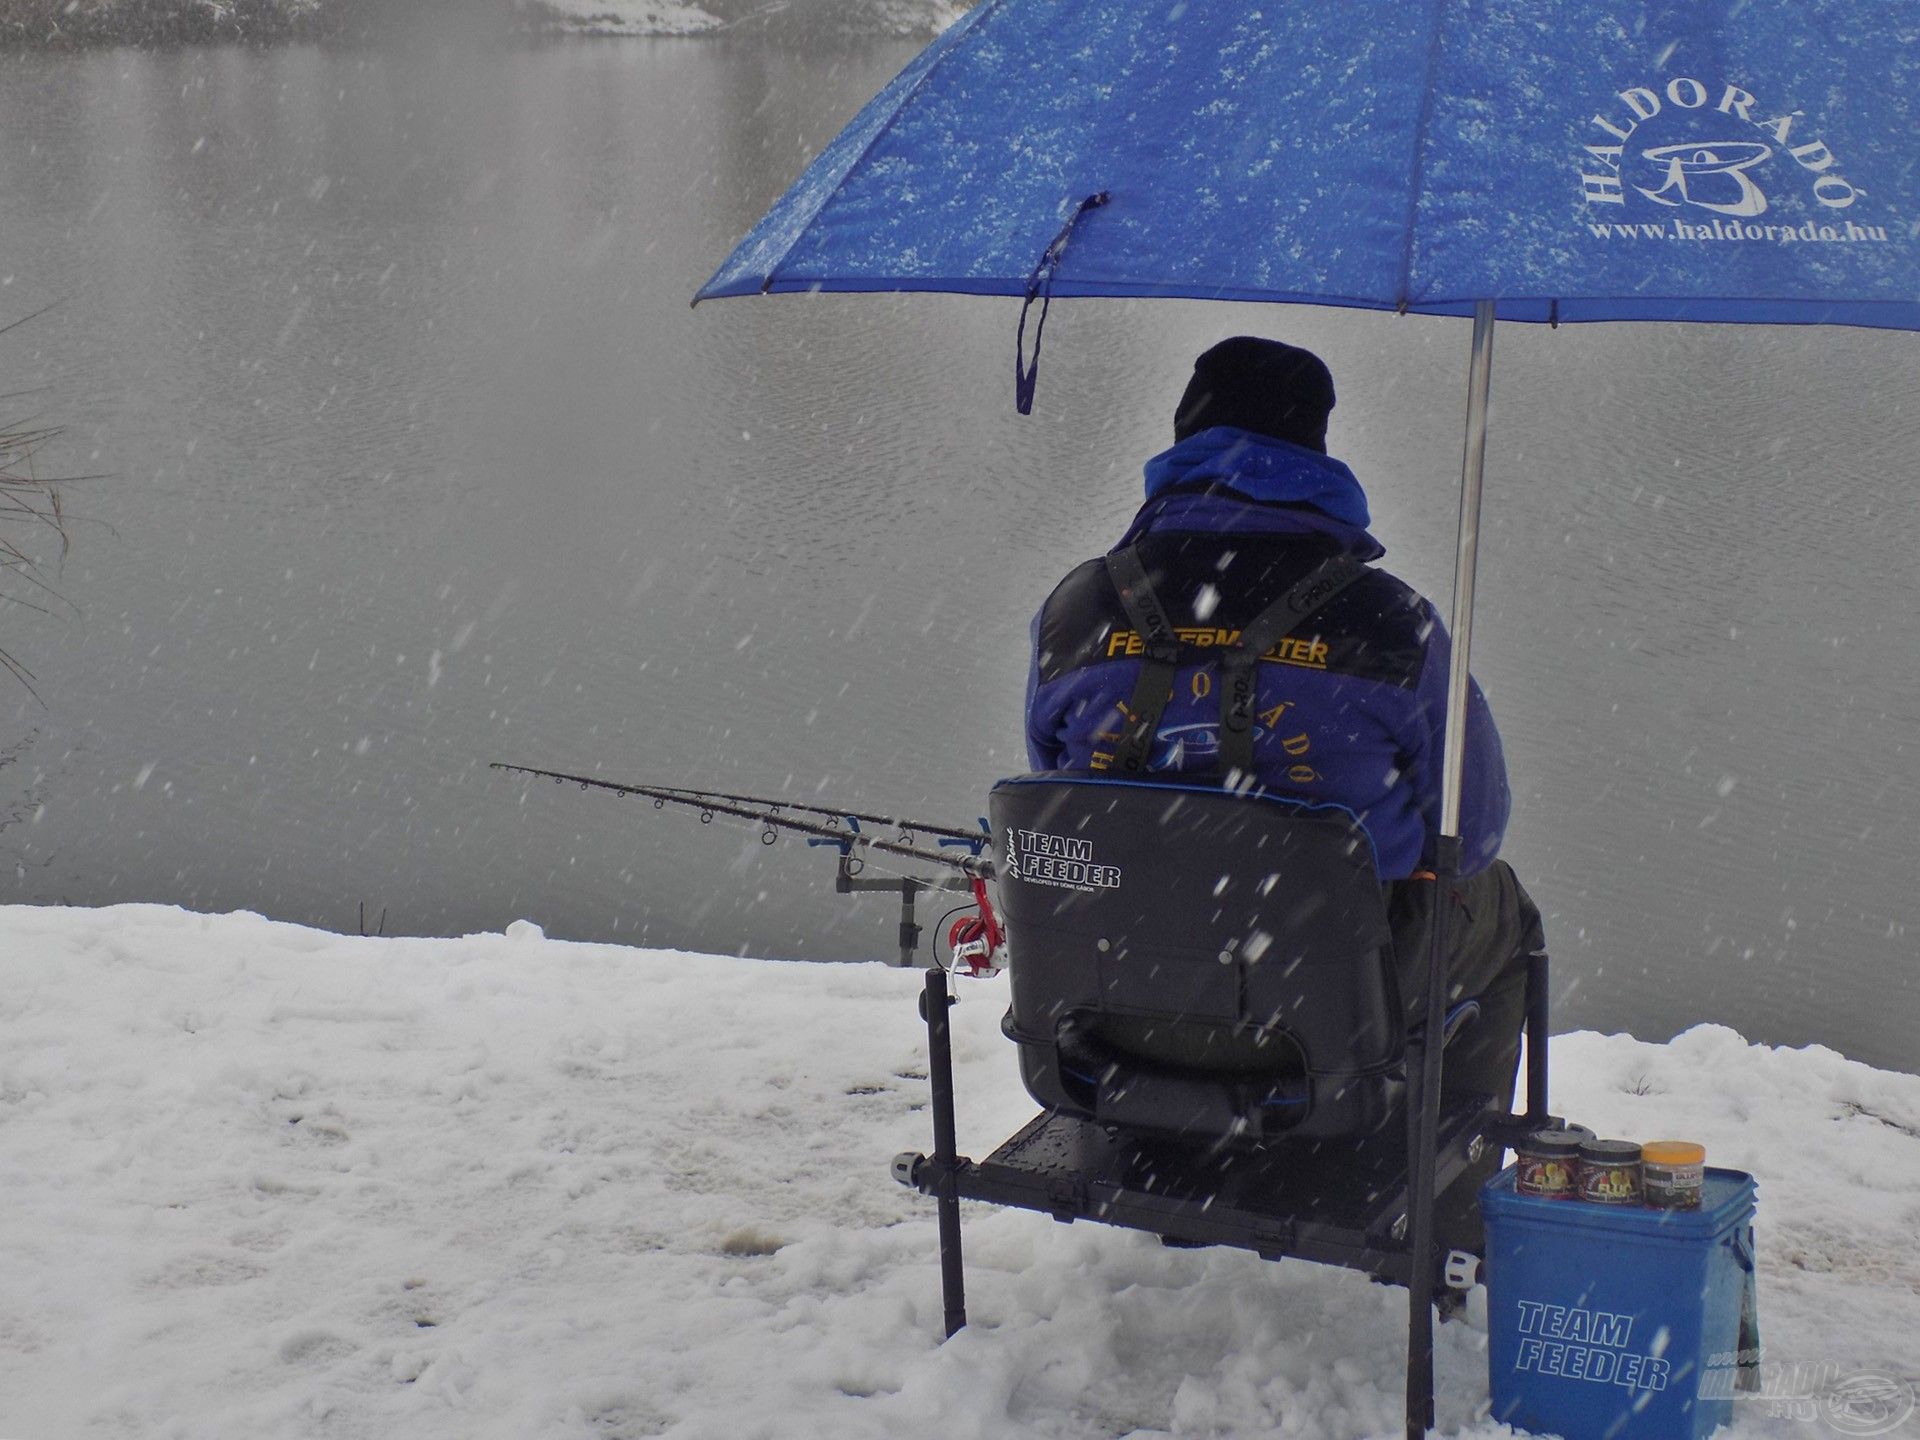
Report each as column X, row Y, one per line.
column 1240, row 667
column 1140, row 719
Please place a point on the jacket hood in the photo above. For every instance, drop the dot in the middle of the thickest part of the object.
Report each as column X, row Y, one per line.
column 1225, row 479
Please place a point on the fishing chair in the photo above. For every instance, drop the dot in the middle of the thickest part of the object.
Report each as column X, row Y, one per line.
column 1206, row 1002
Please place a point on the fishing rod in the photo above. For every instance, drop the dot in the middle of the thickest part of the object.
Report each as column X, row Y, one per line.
column 974, row 838
column 976, row 943
column 765, row 812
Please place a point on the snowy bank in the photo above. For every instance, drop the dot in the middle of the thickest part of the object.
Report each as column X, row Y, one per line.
column 896, row 19
column 263, row 1180
column 615, row 17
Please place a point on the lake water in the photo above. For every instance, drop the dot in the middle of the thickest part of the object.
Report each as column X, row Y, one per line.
column 415, row 458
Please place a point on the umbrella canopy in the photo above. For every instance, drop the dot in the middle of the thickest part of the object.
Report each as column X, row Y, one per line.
column 1719, row 160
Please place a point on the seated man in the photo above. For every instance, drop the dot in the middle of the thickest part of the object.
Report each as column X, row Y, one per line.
column 1348, row 709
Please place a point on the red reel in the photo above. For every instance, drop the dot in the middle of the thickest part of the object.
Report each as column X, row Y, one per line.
column 975, row 940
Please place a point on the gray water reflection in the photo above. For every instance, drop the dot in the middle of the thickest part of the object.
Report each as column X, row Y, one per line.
column 420, row 460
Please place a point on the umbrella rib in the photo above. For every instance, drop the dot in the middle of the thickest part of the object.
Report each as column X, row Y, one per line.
column 972, row 23
column 1419, row 170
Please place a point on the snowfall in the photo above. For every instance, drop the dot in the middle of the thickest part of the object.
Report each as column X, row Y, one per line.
column 263, row 1181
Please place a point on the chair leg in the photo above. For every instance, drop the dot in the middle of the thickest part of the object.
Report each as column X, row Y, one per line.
column 1420, row 1258
column 1423, row 1131
column 1537, row 1020
column 953, row 1284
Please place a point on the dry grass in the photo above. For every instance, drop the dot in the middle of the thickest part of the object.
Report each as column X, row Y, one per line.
column 31, row 516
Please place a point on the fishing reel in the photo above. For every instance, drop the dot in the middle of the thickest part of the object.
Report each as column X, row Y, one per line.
column 976, row 945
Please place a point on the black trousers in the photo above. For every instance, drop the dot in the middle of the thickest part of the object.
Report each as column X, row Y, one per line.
column 1493, row 928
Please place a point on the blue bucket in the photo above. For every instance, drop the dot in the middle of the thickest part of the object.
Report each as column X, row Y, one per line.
column 1615, row 1322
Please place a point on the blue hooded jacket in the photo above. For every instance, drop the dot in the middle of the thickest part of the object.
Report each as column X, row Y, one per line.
column 1351, row 711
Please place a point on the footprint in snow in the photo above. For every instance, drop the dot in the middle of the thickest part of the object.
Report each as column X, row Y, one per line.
column 314, row 1346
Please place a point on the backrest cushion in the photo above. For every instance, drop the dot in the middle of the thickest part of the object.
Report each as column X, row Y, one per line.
column 1139, row 899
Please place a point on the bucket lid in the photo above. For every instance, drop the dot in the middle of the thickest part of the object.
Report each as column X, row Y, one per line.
column 1610, row 1152
column 1673, row 1152
column 1553, row 1144
column 1726, row 1200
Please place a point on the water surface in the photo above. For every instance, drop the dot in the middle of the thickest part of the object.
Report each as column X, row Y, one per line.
column 418, row 459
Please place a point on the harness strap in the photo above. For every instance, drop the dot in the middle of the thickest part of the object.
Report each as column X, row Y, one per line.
column 1140, row 722
column 1239, row 664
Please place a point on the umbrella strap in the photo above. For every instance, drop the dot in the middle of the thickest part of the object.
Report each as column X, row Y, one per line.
column 1026, row 377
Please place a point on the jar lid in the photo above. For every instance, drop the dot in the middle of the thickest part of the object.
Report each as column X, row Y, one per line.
column 1673, row 1152
column 1551, row 1143
column 1610, row 1152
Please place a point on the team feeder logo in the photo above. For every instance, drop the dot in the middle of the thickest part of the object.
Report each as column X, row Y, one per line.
column 1718, row 162
column 1057, row 860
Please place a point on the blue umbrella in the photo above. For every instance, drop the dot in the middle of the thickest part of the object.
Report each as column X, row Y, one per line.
column 1742, row 161
column 1723, row 160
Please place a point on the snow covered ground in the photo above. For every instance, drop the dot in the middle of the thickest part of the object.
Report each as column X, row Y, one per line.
column 265, row 1181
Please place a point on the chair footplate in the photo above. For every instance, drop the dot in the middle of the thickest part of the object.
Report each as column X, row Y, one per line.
column 1335, row 1202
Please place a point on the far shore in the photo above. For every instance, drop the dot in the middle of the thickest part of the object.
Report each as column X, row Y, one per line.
column 67, row 25
column 61, row 25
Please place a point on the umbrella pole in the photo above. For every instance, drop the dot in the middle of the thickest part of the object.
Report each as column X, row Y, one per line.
column 1473, row 467
column 1425, row 1121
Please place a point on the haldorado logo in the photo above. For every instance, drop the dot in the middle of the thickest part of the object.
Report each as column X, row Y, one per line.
column 1683, row 149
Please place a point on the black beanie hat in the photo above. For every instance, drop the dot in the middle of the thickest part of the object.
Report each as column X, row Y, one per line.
column 1260, row 385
